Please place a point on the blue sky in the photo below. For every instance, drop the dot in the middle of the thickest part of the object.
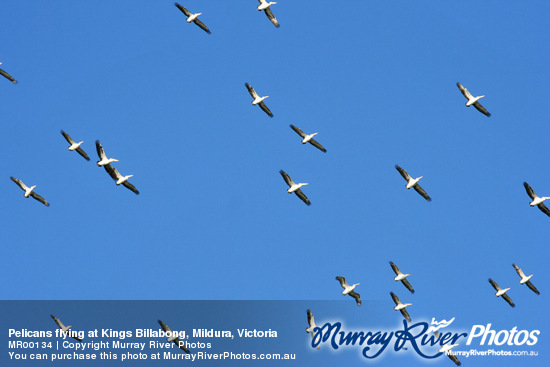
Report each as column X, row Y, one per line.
column 213, row 220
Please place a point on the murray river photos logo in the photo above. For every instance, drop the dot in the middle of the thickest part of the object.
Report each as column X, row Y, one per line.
column 421, row 337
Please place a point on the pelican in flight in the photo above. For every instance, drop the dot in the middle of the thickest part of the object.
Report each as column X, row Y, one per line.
column 103, row 160
column 29, row 191
column 258, row 100
column 192, row 17
column 447, row 350
column 312, row 326
column 536, row 200
column 401, row 277
column 295, row 188
column 173, row 338
column 265, row 6
column 308, row 138
column 473, row 100
column 401, row 306
column 113, row 172
column 75, row 145
column 501, row 292
column 349, row 289
column 65, row 329
column 413, row 182
column 7, row 76
column 525, row 279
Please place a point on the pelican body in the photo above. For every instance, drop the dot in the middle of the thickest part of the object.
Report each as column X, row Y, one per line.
column 264, row 4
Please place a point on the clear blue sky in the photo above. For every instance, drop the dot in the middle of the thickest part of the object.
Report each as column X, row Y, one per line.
column 213, row 220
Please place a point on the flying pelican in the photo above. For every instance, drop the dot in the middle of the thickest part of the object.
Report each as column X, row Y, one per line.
column 413, row 182
column 113, row 172
column 501, row 292
column 447, row 350
column 536, row 200
column 312, row 326
column 258, row 100
column 294, row 187
column 29, row 191
column 75, row 145
column 473, row 100
column 103, row 158
column 265, row 6
column 173, row 338
column 525, row 279
column 65, row 329
column 401, row 307
column 7, row 76
column 401, row 277
column 308, row 138
column 349, row 290
column 193, row 17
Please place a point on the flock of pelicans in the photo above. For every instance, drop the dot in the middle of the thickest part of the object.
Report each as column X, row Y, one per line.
column 106, row 163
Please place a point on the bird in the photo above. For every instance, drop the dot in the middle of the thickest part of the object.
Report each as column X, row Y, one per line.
column 103, row 158
column 536, row 200
column 308, row 138
column 258, row 100
column 173, row 337
column 294, row 187
column 266, row 7
column 193, row 17
column 349, row 290
column 413, row 182
column 401, row 306
column 312, row 326
column 113, row 172
column 447, row 350
column 473, row 100
column 525, row 279
column 29, row 191
column 401, row 277
column 65, row 329
column 501, row 292
column 75, row 145
column 7, row 76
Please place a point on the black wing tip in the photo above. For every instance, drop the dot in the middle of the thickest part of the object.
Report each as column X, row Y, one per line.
column 428, row 199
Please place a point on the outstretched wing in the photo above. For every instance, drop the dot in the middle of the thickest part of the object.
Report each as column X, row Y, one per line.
column 530, row 191
column 39, row 198
column 130, row 187
column 532, row 287
column 99, row 149
column 271, row 17
column 113, row 172
column 356, row 296
column 19, row 183
column 302, row 196
column 298, row 131
column 544, row 209
column 310, row 319
column 494, row 284
column 8, row 76
column 287, row 178
column 317, row 145
column 342, row 281
column 519, row 271
column 508, row 299
column 454, row 359
column 67, row 137
column 482, row 109
column 183, row 10
column 181, row 345
column 82, row 153
column 408, row 285
column 403, row 173
column 405, row 314
column 395, row 268
column 265, row 109
column 251, row 91
column 422, row 192
column 58, row 322
column 395, row 298
column 464, row 91
column 202, row 25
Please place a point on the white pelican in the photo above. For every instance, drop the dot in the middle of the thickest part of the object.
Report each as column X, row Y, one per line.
column 447, row 350
column 7, row 76
column 349, row 290
column 525, row 279
column 536, row 200
column 29, row 191
column 501, row 292
column 401, row 277
column 113, row 172
column 101, row 153
column 311, row 323
column 192, row 17
column 294, row 187
column 65, row 329
column 401, row 306
column 413, row 182
column 308, row 138
column 75, row 145
column 258, row 100
column 473, row 100
column 265, row 6
column 173, row 338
